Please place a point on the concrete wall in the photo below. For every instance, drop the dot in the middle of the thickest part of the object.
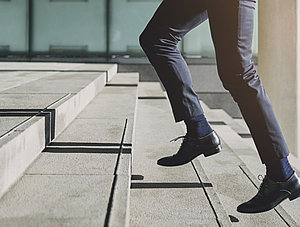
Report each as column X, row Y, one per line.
column 278, row 63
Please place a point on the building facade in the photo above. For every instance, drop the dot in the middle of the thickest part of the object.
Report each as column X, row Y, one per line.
column 101, row 28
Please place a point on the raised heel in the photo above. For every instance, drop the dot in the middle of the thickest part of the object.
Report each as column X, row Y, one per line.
column 295, row 195
column 213, row 151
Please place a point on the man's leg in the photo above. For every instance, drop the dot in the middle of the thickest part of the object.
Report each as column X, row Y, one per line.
column 171, row 21
column 231, row 23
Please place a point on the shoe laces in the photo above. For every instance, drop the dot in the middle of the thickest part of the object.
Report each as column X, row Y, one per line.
column 264, row 185
column 260, row 177
column 181, row 145
column 177, row 138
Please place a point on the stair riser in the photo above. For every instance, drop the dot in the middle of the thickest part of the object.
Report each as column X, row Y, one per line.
column 18, row 153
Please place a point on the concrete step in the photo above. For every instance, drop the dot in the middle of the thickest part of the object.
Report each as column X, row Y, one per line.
column 233, row 187
column 247, row 164
column 35, row 111
column 166, row 196
column 154, row 201
column 109, row 69
column 83, row 176
column 10, row 79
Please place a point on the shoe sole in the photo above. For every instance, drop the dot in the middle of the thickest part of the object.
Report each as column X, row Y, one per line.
column 213, row 151
column 295, row 195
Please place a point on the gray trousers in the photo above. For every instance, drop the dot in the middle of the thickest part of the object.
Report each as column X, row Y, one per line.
column 231, row 25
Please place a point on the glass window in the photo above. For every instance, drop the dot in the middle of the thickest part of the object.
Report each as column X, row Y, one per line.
column 79, row 27
column 69, row 26
column 13, row 25
column 128, row 20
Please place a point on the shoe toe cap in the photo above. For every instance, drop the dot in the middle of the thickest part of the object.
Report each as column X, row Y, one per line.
column 244, row 208
column 249, row 207
column 166, row 161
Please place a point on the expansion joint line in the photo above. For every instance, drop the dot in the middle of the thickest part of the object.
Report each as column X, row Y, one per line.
column 112, row 192
column 207, row 196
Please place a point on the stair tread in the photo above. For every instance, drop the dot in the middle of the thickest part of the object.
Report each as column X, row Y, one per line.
column 164, row 197
column 14, row 79
column 86, row 150
column 233, row 187
column 108, row 111
column 245, row 150
column 62, row 82
column 24, row 143
column 39, row 200
column 150, row 89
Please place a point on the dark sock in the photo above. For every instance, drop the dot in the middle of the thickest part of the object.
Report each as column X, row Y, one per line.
column 198, row 126
column 280, row 170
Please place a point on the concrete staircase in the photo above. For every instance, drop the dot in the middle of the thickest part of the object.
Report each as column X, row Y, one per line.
column 79, row 144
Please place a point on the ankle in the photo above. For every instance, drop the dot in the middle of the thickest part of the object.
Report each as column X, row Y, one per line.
column 198, row 126
column 279, row 170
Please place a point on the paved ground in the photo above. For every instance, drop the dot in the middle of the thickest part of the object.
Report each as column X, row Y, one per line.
column 100, row 167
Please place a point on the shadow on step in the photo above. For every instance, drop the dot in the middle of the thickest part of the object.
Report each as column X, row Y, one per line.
column 81, row 147
column 168, row 185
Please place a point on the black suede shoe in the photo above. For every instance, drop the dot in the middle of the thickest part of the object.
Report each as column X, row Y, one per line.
column 271, row 193
column 190, row 148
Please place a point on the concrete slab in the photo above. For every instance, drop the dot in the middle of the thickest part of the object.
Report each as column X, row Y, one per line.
column 219, row 210
column 96, row 130
column 170, row 207
column 7, row 123
column 67, row 110
column 125, row 79
column 241, row 149
column 2, row 133
column 205, row 78
column 152, row 89
column 89, row 130
column 242, row 123
column 51, row 66
column 37, row 65
column 22, row 146
column 217, row 114
column 154, row 129
column 110, row 106
column 246, row 151
column 158, row 200
column 51, row 200
column 68, row 163
column 103, row 119
column 110, row 69
column 64, row 82
column 28, row 101
column 125, row 165
column 295, row 162
column 119, row 90
column 18, row 149
column 250, row 157
column 120, row 209
column 14, row 79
